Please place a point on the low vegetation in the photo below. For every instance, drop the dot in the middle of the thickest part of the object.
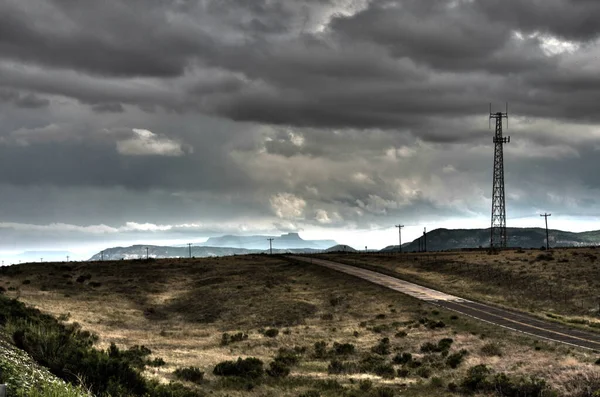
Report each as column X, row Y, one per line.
column 272, row 328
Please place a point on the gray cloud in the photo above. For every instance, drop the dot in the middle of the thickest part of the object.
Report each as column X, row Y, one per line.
column 292, row 115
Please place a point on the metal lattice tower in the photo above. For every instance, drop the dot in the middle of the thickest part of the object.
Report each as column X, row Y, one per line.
column 498, row 229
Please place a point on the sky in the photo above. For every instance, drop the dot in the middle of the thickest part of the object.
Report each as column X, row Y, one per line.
column 169, row 121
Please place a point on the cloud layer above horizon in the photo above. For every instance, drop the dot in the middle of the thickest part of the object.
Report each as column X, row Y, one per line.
column 272, row 115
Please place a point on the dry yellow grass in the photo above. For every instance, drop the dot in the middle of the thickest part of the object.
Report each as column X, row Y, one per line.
column 564, row 282
column 180, row 309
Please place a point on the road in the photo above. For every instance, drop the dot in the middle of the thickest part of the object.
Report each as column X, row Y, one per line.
column 512, row 320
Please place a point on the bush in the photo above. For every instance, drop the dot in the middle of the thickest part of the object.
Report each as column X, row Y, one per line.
column 25, row 282
column 245, row 368
column 383, row 392
column 476, row 378
column 310, row 393
column 491, row 349
column 455, row 359
column 424, row 372
column 400, row 334
column 157, row 362
column 370, row 363
column 272, row 332
column 386, row 371
column 320, row 349
column 191, row 374
column 442, row 346
column 383, row 348
column 227, row 339
column 365, row 385
column 287, row 357
column 597, row 362
column 343, row 349
column 403, row 372
column 278, row 369
column 337, row 367
column 403, row 358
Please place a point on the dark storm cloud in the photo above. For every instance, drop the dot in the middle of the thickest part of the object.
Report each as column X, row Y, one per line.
column 313, row 112
column 110, row 107
column 107, row 38
column 28, row 101
column 567, row 19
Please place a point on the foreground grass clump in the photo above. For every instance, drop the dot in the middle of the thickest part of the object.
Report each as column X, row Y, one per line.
column 68, row 353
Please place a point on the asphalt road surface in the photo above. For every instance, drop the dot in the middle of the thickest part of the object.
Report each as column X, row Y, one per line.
column 501, row 317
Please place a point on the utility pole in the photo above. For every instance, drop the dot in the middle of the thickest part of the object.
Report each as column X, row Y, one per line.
column 547, row 239
column 400, row 237
column 102, row 256
column 147, row 257
column 190, row 248
column 498, row 227
column 67, row 258
column 270, row 245
column 424, row 239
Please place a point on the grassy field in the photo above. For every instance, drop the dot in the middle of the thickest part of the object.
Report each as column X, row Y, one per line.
column 333, row 326
column 558, row 284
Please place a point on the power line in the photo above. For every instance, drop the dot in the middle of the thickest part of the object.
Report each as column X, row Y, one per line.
column 498, row 227
column 270, row 245
column 400, row 237
column 547, row 239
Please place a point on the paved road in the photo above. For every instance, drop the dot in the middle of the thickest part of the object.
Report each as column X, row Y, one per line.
column 504, row 318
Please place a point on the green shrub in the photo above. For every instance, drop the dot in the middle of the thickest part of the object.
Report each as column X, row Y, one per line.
column 320, row 349
column 245, row 368
column 337, row 367
column 491, row 349
column 402, row 358
column 436, row 382
column 310, row 393
column 343, row 349
column 400, row 334
column 383, row 392
column 403, row 372
column 383, row 347
column 365, row 385
column 191, row 374
column 369, row 363
column 272, row 332
column 157, row 362
column 386, row 371
column 226, row 338
column 455, row 359
column 442, row 346
column 288, row 357
column 476, row 378
column 423, row 372
column 278, row 369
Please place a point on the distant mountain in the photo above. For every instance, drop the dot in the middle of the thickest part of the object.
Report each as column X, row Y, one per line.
column 340, row 248
column 289, row 240
column 449, row 239
column 139, row 252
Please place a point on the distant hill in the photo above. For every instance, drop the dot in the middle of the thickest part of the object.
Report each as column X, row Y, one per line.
column 340, row 248
column 449, row 239
column 154, row 251
column 289, row 240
